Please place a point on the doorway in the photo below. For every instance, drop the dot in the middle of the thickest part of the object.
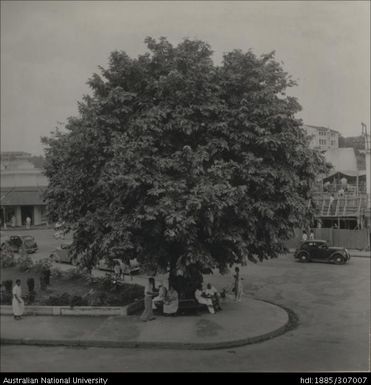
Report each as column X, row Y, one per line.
column 27, row 211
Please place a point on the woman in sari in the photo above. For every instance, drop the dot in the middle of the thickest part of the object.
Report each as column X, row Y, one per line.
column 149, row 292
column 171, row 302
column 17, row 302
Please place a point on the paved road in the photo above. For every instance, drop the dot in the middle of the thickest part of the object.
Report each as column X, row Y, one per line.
column 332, row 302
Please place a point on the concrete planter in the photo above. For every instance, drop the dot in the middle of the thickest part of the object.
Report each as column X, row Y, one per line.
column 68, row 311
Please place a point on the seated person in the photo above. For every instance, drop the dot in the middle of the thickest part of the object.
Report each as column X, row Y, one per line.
column 171, row 302
column 202, row 299
column 159, row 300
column 212, row 293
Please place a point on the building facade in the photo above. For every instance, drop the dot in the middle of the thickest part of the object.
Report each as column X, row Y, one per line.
column 322, row 138
column 22, row 189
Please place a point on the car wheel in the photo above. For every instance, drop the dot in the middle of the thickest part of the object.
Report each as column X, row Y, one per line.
column 339, row 259
column 303, row 257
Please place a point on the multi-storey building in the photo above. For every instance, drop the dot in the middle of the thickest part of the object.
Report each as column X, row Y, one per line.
column 322, row 138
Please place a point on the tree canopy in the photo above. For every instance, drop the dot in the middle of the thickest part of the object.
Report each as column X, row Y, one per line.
column 182, row 162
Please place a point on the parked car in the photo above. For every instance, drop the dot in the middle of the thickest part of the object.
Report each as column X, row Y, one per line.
column 320, row 251
column 62, row 254
column 16, row 242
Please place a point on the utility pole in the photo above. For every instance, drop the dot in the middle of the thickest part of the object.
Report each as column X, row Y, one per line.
column 366, row 135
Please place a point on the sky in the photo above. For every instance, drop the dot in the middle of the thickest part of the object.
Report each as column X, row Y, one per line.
column 49, row 49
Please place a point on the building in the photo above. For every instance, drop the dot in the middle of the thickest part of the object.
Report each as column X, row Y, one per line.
column 346, row 184
column 322, row 138
column 22, row 189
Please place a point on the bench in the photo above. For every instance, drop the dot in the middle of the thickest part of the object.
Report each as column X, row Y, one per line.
column 186, row 307
column 190, row 306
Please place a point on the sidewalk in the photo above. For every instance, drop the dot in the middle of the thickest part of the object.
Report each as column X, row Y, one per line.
column 238, row 324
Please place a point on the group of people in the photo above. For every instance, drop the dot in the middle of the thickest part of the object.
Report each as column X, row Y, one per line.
column 304, row 236
column 121, row 268
column 168, row 299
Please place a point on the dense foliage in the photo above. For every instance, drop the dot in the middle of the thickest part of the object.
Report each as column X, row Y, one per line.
column 179, row 162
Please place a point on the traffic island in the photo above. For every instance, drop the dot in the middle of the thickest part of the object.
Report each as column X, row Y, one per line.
column 247, row 322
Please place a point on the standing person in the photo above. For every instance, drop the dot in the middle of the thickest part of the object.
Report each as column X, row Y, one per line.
column 149, row 292
column 332, row 198
column 117, row 271
column 171, row 302
column 17, row 301
column 304, row 237
column 237, row 287
column 311, row 235
column 13, row 221
column 28, row 223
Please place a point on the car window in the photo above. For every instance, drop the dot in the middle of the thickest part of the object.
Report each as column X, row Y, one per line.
column 322, row 245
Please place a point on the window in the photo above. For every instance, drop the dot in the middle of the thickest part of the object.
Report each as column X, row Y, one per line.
column 322, row 142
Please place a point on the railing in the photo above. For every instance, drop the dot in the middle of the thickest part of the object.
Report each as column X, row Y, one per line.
column 347, row 206
column 327, row 206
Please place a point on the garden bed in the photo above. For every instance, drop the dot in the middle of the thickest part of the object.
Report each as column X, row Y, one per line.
column 69, row 288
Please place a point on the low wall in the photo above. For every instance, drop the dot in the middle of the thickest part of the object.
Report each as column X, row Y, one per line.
column 67, row 310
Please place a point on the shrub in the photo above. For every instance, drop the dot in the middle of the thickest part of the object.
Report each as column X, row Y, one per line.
column 56, row 273
column 8, row 284
column 24, row 263
column 77, row 300
column 66, row 299
column 106, row 284
column 74, row 274
column 42, row 265
column 5, row 298
column 124, row 295
column 43, row 283
column 59, row 300
column 31, row 285
column 7, row 259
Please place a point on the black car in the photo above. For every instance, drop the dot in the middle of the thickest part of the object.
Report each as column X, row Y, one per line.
column 320, row 251
column 15, row 242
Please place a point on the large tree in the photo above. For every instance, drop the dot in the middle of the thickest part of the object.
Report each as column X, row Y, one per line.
column 182, row 162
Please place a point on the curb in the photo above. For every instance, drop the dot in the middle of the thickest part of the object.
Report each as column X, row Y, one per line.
column 92, row 311
column 292, row 323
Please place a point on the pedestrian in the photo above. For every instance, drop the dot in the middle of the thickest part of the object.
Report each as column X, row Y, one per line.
column 117, row 271
column 311, row 235
column 13, row 221
column 304, row 237
column 149, row 292
column 28, row 223
column 237, row 285
column 17, row 301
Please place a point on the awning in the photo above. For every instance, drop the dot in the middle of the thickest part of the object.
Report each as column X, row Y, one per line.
column 22, row 197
